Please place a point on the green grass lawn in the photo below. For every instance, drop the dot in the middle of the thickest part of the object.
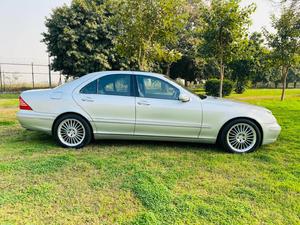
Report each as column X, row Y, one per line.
column 127, row 182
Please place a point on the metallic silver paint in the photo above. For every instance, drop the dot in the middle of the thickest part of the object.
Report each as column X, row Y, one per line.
column 123, row 117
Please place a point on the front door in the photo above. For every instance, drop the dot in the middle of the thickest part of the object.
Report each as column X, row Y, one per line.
column 159, row 112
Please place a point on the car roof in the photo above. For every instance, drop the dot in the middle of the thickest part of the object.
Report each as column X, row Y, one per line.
column 90, row 76
column 126, row 72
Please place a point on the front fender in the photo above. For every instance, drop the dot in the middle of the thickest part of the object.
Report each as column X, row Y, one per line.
column 216, row 115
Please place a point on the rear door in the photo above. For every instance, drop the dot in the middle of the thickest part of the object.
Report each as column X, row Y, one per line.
column 110, row 102
column 159, row 113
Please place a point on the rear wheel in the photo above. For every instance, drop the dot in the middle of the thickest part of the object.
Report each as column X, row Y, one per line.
column 72, row 131
column 241, row 136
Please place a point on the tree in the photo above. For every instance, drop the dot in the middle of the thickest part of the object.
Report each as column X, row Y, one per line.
column 261, row 66
column 241, row 71
column 149, row 30
column 250, row 65
column 184, row 68
column 78, row 39
column 224, row 33
column 191, row 64
column 293, row 77
column 273, row 75
column 285, row 42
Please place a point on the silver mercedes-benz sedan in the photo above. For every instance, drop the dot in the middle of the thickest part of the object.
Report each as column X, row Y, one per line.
column 143, row 106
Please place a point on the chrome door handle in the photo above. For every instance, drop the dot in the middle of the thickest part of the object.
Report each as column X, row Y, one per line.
column 87, row 100
column 143, row 103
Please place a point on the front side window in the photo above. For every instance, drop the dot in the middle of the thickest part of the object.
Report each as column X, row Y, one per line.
column 115, row 85
column 152, row 87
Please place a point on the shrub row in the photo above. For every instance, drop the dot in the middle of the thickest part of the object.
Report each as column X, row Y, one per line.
column 212, row 87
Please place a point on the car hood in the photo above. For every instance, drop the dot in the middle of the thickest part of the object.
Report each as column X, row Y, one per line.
column 235, row 105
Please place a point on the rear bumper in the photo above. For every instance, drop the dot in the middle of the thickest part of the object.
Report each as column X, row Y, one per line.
column 36, row 121
column 271, row 132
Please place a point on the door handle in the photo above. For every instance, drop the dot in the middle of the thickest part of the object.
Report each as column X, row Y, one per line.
column 87, row 99
column 143, row 103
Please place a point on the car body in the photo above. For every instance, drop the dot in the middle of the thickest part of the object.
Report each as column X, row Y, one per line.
column 141, row 106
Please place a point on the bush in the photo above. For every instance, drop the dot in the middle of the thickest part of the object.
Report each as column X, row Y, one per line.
column 240, row 87
column 212, row 87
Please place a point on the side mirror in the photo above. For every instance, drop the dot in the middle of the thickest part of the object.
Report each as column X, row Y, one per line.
column 184, row 98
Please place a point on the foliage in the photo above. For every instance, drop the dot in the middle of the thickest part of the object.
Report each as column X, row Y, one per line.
column 272, row 76
column 224, row 33
column 188, row 39
column 212, row 87
column 148, row 31
column 293, row 76
column 185, row 68
column 241, row 70
column 261, row 68
column 253, row 66
column 79, row 41
column 285, row 42
column 190, row 65
column 240, row 87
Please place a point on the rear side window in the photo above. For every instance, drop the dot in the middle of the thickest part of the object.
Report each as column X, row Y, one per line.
column 90, row 88
column 115, row 85
column 119, row 84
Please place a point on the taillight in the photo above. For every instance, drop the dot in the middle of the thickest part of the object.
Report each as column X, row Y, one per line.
column 23, row 105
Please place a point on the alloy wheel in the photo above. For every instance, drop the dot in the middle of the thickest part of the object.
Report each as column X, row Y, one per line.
column 241, row 137
column 71, row 132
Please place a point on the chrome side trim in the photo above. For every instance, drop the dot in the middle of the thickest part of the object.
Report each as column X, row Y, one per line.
column 149, row 123
column 104, row 136
column 114, row 121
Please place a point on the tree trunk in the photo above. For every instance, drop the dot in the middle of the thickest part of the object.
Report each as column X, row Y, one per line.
column 139, row 57
column 168, row 69
column 295, row 84
column 142, row 65
column 221, row 79
column 284, row 73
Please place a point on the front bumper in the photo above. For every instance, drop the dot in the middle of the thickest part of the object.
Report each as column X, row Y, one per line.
column 36, row 121
column 270, row 133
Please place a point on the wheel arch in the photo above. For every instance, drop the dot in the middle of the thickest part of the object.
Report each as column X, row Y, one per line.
column 72, row 113
column 247, row 118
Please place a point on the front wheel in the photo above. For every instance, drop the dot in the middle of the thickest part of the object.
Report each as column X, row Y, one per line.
column 241, row 136
column 72, row 131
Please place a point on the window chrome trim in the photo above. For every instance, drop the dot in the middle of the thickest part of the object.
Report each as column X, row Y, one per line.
column 137, row 91
column 131, row 87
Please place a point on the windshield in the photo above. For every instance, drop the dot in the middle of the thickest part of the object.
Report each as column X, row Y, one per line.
column 188, row 90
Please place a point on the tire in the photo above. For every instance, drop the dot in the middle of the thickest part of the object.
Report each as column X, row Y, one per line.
column 241, row 136
column 72, row 131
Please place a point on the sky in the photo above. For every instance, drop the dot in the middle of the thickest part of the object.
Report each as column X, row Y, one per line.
column 22, row 22
column 264, row 10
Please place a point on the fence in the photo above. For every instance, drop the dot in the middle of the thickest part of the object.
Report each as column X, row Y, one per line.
column 16, row 77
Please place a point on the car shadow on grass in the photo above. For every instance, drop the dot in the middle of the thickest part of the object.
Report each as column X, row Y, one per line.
column 38, row 140
column 158, row 145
